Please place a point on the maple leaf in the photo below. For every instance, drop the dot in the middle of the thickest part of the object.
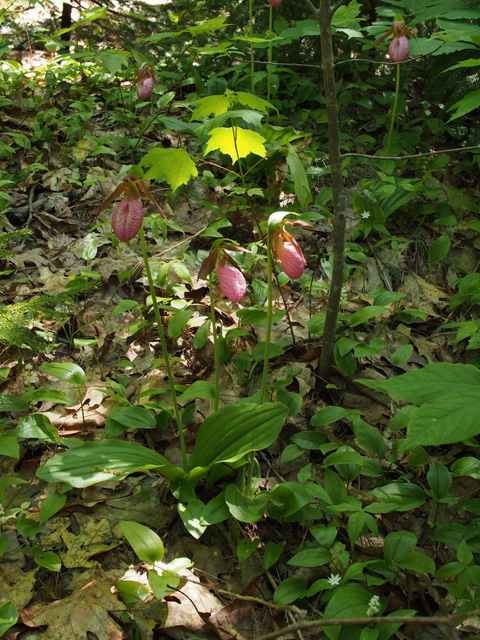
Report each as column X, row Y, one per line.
column 236, row 142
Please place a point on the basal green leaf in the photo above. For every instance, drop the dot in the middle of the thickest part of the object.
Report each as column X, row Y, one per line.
column 92, row 462
column 66, row 371
column 122, row 418
column 235, row 430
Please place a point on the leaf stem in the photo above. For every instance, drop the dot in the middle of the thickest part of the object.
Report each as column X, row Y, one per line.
column 163, row 342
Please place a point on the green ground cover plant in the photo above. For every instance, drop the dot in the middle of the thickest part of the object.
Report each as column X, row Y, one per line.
column 247, row 349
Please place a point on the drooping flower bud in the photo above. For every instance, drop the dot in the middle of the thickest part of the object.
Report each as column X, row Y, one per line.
column 232, row 281
column 127, row 218
column 288, row 253
column 145, row 88
column 398, row 49
column 274, row 3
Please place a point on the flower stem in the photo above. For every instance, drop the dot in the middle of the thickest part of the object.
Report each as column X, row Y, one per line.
column 252, row 64
column 163, row 342
column 215, row 344
column 394, row 113
column 269, row 66
column 269, row 317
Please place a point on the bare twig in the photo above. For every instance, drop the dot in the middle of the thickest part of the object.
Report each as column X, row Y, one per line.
column 314, row 624
column 415, row 155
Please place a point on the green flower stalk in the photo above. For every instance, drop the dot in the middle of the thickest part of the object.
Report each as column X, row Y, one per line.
column 127, row 221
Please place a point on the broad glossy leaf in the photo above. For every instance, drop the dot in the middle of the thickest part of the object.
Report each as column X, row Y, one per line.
column 92, row 462
column 289, row 590
column 433, row 381
column 398, row 543
column 439, row 250
column 245, row 508
column 36, row 425
column 132, row 591
column 316, row 557
column 397, row 496
column 191, row 515
column 235, row 430
column 9, row 447
column 50, row 506
column 49, row 560
column 450, row 419
column 199, row 389
column 122, row 418
column 146, row 543
column 349, row 601
column 299, row 177
column 8, row 617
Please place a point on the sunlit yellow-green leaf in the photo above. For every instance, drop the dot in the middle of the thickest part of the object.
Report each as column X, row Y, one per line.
column 175, row 165
column 236, row 142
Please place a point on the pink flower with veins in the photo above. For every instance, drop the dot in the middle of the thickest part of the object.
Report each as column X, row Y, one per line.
column 274, row 3
column 232, row 281
column 398, row 49
column 288, row 253
column 127, row 218
column 145, row 88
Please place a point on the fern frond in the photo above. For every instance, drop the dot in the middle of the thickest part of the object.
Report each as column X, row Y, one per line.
column 16, row 319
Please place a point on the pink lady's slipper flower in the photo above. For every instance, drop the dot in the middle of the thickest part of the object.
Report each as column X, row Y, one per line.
column 274, row 3
column 287, row 251
column 145, row 80
column 398, row 49
column 231, row 279
column 127, row 217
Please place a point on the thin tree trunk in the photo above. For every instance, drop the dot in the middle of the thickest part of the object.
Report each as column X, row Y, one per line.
column 66, row 20
column 324, row 16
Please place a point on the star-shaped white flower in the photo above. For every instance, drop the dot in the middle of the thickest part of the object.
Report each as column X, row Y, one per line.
column 334, row 579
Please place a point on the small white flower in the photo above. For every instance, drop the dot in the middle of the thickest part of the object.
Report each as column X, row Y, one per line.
column 365, row 214
column 373, row 606
column 334, row 580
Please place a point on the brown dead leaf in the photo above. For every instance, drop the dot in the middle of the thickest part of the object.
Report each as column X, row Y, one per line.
column 86, row 610
column 423, row 295
column 95, row 537
column 15, row 585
